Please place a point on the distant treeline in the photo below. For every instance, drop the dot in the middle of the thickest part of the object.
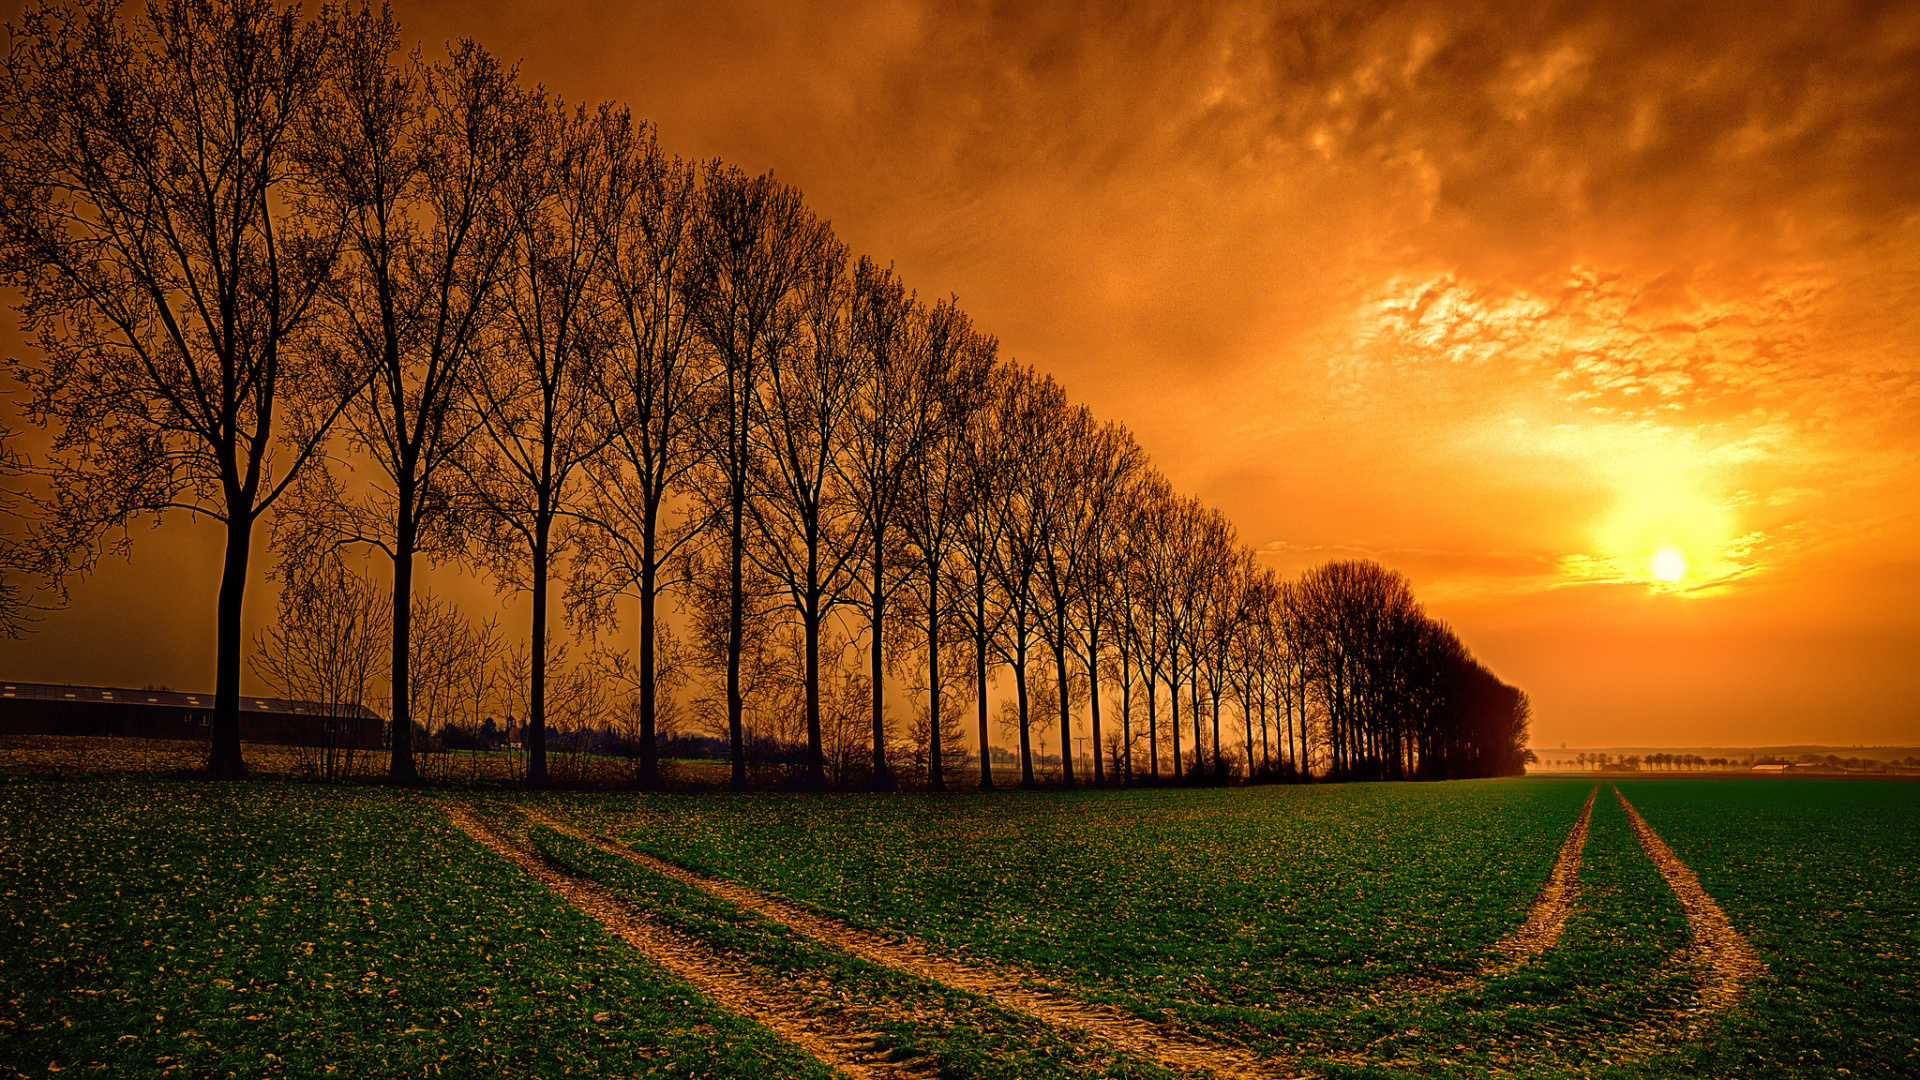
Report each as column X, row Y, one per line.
column 258, row 248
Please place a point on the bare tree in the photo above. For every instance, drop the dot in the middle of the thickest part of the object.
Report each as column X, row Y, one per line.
column 932, row 507
column 534, row 394
column 1148, row 507
column 168, row 260
column 1259, row 666
column 921, row 376
column 755, row 646
column 17, row 560
column 755, row 243
column 1400, row 696
column 1110, row 463
column 652, row 383
column 415, row 160
column 456, row 684
column 1058, row 499
column 1222, row 612
column 1027, row 415
column 1296, row 654
column 978, row 488
column 806, row 535
column 1172, row 571
column 640, row 729
column 326, row 651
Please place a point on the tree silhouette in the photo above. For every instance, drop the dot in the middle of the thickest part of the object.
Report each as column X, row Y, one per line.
column 535, row 395
column 233, row 226
column 806, row 534
column 981, row 526
column 653, row 380
column 957, row 363
column 169, row 259
column 755, row 244
column 1028, row 415
column 415, row 160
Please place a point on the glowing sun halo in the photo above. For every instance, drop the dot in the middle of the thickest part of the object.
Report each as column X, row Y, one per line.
column 1669, row 565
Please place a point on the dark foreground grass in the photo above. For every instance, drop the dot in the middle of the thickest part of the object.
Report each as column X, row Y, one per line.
column 153, row 928
column 164, row 928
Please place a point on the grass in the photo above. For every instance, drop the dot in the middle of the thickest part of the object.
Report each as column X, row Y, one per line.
column 1165, row 897
column 1599, row 996
column 944, row 1031
column 152, row 928
column 1824, row 878
column 1273, row 916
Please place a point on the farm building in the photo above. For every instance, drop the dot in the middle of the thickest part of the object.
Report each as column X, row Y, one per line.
column 49, row 709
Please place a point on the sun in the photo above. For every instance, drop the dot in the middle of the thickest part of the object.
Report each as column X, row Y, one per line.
column 1669, row 565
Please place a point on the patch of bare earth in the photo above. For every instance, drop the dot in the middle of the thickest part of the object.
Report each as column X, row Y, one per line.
column 839, row 1046
column 1727, row 957
column 1172, row 1049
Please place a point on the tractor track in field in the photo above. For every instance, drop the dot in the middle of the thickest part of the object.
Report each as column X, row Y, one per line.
column 1718, row 946
column 840, row 1046
column 1172, row 1049
column 1541, row 930
column 1547, row 915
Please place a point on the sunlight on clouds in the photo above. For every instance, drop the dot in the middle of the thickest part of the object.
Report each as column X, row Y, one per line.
column 1672, row 415
column 1669, row 491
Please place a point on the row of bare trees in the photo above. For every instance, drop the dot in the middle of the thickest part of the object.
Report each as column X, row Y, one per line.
column 422, row 309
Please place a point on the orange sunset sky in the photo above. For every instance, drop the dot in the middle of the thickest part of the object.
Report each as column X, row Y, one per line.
column 1511, row 297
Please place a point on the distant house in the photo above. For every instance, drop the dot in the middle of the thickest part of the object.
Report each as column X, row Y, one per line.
column 49, row 709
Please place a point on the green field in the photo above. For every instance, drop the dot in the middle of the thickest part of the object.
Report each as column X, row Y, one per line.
column 168, row 928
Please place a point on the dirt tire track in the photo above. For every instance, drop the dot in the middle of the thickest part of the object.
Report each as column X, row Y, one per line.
column 1130, row 1033
column 1546, row 921
column 1547, row 915
column 840, row 1047
column 1725, row 952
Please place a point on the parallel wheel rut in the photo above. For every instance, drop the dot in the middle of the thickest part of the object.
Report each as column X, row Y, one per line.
column 846, row 1048
column 1725, row 953
column 1172, row 1049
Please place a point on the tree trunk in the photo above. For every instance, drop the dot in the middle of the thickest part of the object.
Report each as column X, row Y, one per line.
column 736, row 630
column 1266, row 736
column 1066, row 712
column 1193, row 702
column 1173, row 702
column 1093, row 698
column 400, row 769
column 1219, row 762
column 536, row 727
column 816, row 749
column 882, row 776
column 1020, row 694
column 649, row 742
column 980, row 674
column 936, row 774
column 223, row 750
column 1153, row 727
column 1246, row 717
